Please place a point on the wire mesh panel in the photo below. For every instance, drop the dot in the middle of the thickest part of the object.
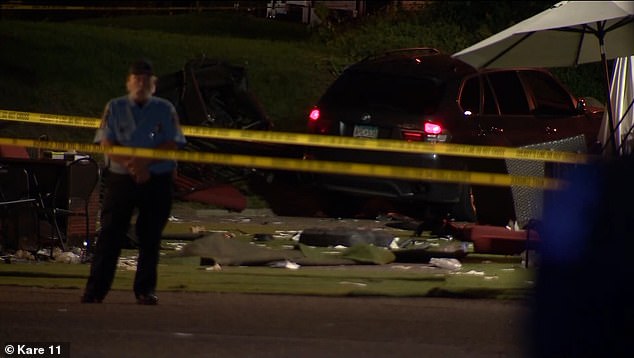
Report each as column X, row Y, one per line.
column 529, row 202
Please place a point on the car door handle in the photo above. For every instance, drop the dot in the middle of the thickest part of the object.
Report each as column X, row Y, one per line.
column 551, row 130
column 493, row 130
column 487, row 131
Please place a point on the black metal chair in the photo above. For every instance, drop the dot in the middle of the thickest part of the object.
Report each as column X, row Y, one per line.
column 76, row 188
column 15, row 196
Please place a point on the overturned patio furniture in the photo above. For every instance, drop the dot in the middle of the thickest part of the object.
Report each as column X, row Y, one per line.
column 213, row 93
column 209, row 192
column 488, row 239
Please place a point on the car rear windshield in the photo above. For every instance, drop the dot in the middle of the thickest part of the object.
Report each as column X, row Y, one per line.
column 385, row 91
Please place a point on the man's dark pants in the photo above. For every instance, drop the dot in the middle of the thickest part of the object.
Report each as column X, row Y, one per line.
column 153, row 200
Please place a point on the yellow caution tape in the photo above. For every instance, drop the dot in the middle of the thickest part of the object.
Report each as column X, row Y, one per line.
column 109, row 8
column 387, row 145
column 54, row 119
column 324, row 167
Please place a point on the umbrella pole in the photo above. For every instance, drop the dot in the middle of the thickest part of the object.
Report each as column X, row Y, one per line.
column 604, row 61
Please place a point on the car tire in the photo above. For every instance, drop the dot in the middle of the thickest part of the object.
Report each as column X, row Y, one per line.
column 464, row 209
column 493, row 205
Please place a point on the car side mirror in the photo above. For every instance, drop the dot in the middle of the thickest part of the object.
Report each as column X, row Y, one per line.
column 589, row 105
column 582, row 105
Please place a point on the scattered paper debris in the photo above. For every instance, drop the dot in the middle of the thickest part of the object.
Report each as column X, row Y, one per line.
column 401, row 267
column 445, row 263
column 24, row 255
column 176, row 246
column 127, row 263
column 215, row 267
column 360, row 284
column 472, row 272
column 198, row 229
column 284, row 264
column 67, row 258
column 286, row 234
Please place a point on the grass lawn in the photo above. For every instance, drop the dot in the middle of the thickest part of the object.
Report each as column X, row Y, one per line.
column 74, row 68
column 481, row 276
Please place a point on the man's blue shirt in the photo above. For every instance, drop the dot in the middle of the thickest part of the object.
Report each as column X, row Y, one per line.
column 128, row 124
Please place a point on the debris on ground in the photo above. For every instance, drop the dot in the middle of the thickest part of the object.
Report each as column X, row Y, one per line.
column 127, row 263
column 284, row 264
column 445, row 263
column 67, row 257
column 345, row 236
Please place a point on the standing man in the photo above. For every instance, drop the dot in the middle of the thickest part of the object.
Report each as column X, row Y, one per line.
column 135, row 120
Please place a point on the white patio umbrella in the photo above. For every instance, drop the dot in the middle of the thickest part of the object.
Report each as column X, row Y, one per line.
column 622, row 100
column 567, row 34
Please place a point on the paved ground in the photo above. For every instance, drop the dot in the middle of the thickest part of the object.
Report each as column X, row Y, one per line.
column 236, row 325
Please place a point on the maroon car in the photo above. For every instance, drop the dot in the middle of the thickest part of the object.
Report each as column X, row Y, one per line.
column 423, row 95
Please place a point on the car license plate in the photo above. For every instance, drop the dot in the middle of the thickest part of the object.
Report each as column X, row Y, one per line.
column 365, row 131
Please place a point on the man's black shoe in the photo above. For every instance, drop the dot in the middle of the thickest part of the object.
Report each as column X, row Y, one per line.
column 90, row 299
column 150, row 299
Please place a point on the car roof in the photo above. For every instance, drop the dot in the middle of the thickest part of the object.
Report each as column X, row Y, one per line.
column 415, row 62
column 520, row 69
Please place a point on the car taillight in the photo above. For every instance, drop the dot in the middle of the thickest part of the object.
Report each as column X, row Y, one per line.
column 431, row 132
column 316, row 124
column 412, row 135
column 314, row 114
column 432, row 128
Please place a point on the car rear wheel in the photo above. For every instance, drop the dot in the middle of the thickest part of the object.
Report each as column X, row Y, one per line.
column 464, row 209
column 493, row 205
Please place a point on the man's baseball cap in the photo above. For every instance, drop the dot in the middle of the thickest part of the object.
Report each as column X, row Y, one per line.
column 141, row 67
